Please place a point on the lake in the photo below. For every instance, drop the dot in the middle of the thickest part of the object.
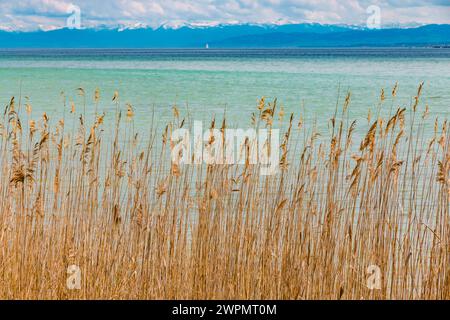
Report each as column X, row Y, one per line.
column 211, row 81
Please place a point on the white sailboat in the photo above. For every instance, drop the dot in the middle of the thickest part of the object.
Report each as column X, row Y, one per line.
column 207, row 46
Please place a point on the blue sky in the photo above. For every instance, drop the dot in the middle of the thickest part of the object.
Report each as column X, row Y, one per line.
column 51, row 14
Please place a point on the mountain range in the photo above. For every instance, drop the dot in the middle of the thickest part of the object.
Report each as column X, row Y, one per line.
column 231, row 36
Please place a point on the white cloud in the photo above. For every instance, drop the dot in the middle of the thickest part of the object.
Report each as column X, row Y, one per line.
column 49, row 14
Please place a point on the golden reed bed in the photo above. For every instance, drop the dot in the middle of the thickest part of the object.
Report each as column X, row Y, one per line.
column 92, row 210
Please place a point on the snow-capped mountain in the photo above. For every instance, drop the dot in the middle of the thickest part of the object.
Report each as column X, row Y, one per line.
column 180, row 34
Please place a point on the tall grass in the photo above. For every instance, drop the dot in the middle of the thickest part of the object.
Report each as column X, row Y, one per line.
column 78, row 191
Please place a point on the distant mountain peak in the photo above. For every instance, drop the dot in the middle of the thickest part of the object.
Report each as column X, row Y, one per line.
column 178, row 24
column 133, row 26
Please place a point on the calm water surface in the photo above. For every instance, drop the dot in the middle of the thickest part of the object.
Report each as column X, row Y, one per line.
column 211, row 81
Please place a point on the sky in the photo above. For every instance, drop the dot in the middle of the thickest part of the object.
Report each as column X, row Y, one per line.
column 26, row 15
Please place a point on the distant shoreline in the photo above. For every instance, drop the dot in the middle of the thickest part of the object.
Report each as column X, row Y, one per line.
column 222, row 49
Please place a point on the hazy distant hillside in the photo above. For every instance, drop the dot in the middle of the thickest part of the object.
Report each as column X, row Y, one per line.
column 229, row 36
column 422, row 36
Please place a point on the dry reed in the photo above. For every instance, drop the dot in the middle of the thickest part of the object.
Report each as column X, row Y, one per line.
column 140, row 227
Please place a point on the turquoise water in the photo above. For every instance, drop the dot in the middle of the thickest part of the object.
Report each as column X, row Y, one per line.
column 210, row 82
